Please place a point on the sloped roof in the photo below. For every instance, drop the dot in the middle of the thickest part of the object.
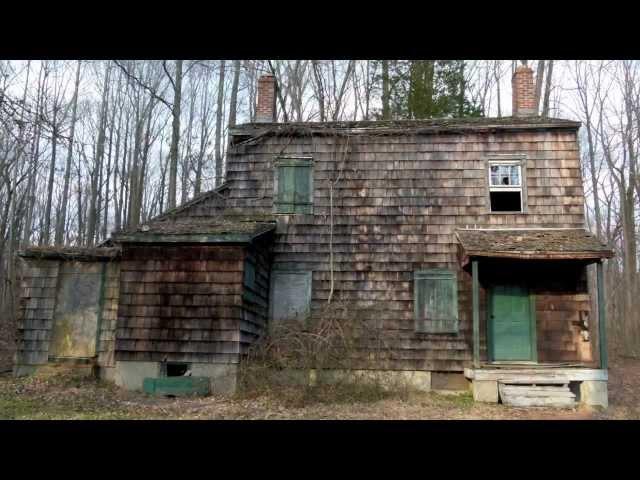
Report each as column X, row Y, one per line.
column 214, row 196
column 398, row 127
column 221, row 229
column 71, row 253
column 533, row 244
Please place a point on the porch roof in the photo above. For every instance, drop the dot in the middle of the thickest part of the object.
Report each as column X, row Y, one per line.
column 222, row 229
column 542, row 244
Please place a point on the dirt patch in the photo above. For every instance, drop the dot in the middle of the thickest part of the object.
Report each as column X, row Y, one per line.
column 69, row 397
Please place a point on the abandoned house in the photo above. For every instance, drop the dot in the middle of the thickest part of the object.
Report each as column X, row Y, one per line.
column 463, row 240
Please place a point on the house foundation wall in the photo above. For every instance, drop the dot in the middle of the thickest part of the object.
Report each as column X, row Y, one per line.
column 388, row 379
column 594, row 393
column 131, row 375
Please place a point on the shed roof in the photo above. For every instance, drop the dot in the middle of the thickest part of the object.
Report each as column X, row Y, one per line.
column 71, row 253
column 221, row 229
column 547, row 244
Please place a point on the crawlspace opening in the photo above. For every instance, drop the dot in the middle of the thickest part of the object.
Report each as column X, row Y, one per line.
column 176, row 369
column 505, row 201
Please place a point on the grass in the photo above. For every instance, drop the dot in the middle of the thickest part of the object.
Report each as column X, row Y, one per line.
column 67, row 396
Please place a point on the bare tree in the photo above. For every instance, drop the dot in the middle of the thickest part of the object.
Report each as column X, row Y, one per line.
column 60, row 228
column 219, row 123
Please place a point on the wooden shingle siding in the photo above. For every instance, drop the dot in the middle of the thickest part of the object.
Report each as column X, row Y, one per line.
column 36, row 309
column 106, row 342
column 180, row 303
column 41, row 282
column 395, row 210
column 255, row 296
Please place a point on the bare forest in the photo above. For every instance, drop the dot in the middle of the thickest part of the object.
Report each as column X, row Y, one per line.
column 89, row 147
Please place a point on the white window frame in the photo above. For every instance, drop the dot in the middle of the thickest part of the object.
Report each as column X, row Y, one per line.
column 507, row 188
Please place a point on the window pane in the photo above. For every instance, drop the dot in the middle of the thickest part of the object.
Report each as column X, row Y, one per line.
column 505, row 175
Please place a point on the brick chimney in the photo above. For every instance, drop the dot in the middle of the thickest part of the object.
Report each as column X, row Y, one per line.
column 266, row 109
column 523, row 91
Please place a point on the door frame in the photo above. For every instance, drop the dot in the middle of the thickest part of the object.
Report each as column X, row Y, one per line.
column 532, row 326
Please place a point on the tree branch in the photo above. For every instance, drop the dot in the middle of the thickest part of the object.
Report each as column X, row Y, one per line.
column 144, row 86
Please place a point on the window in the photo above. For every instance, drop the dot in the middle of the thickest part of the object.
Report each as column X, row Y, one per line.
column 290, row 295
column 505, row 186
column 435, row 299
column 293, row 185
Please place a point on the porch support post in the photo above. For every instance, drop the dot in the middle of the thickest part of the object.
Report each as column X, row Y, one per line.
column 476, row 313
column 602, row 331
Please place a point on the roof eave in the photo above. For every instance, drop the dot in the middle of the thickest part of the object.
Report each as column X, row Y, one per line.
column 589, row 257
column 251, row 131
column 210, row 238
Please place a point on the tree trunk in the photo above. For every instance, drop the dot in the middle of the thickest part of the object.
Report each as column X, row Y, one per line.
column 462, row 92
column 219, row 124
column 233, row 101
column 175, row 135
column 35, row 153
column 92, row 222
column 317, row 75
column 60, row 230
column 496, row 76
column 547, row 90
column 539, row 79
column 386, row 107
column 187, row 160
column 52, row 170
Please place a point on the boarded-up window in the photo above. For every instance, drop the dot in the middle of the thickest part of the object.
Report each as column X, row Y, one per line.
column 290, row 296
column 436, row 301
column 293, row 185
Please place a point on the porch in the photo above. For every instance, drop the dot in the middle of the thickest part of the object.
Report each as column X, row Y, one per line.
column 533, row 339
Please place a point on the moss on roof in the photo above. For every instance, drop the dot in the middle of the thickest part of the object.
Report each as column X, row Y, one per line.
column 71, row 253
column 406, row 126
column 533, row 243
column 244, row 225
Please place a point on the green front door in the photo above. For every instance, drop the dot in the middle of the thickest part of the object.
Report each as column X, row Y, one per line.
column 511, row 324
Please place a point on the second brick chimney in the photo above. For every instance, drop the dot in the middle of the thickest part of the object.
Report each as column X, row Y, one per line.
column 266, row 108
column 523, row 90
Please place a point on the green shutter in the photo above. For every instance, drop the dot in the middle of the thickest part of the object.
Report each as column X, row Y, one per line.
column 290, row 295
column 302, row 192
column 286, row 189
column 249, row 274
column 294, row 186
column 436, row 301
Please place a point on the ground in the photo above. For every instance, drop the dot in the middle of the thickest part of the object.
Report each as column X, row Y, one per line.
column 72, row 397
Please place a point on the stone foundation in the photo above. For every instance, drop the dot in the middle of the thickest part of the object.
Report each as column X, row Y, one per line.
column 485, row 391
column 131, row 375
column 594, row 393
column 415, row 379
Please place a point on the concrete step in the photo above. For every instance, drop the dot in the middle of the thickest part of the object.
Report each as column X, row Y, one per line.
column 536, row 396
